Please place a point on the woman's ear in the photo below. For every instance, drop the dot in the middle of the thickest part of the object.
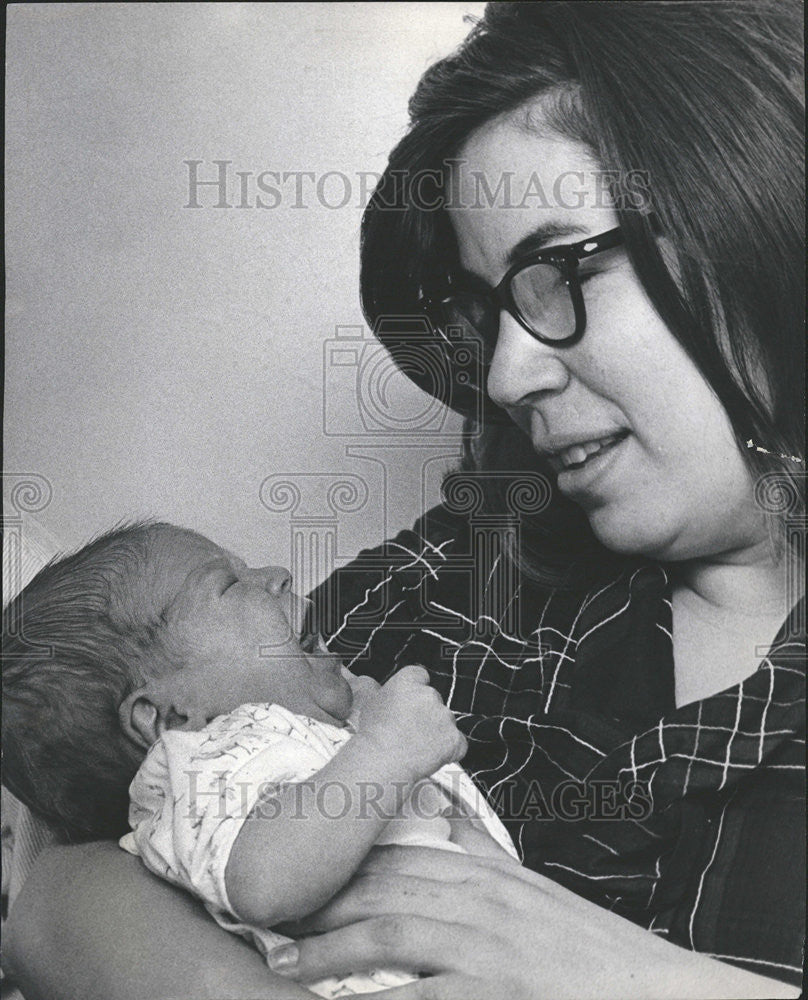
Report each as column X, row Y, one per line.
column 142, row 718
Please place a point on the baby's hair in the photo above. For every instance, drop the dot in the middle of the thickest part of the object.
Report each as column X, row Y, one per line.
column 76, row 641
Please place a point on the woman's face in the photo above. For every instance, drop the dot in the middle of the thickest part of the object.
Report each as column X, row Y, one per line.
column 673, row 484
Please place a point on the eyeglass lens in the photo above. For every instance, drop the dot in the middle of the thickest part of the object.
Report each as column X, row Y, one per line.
column 542, row 299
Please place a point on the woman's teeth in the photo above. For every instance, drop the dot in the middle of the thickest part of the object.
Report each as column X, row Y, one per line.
column 579, row 453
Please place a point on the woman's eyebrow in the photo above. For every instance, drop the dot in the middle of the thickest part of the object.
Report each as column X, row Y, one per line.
column 548, row 232
column 541, row 236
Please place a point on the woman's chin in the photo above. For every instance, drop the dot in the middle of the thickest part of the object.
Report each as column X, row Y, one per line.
column 628, row 535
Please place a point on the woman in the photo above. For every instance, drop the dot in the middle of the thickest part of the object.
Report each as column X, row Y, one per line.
column 601, row 204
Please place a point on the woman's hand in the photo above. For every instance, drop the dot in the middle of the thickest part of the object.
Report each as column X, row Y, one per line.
column 485, row 928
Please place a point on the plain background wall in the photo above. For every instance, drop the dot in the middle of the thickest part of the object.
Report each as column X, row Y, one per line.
column 163, row 360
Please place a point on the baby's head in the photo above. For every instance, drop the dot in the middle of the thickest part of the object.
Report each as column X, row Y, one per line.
column 147, row 628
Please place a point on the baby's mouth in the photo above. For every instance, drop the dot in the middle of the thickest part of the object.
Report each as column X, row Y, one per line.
column 311, row 642
column 313, row 645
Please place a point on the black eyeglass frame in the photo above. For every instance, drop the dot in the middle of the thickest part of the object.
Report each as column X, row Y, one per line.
column 565, row 257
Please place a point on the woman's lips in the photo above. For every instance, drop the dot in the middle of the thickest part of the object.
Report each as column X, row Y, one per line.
column 581, row 477
column 577, row 455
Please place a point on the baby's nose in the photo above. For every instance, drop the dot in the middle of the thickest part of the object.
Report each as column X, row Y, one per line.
column 275, row 579
column 279, row 580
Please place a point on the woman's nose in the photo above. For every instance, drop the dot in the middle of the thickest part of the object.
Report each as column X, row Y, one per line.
column 523, row 366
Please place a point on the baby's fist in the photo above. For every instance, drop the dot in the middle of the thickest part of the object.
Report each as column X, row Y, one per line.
column 408, row 721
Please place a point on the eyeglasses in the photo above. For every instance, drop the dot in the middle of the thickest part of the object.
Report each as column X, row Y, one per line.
column 542, row 291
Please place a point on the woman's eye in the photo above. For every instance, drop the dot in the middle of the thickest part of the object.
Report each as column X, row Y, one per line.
column 584, row 276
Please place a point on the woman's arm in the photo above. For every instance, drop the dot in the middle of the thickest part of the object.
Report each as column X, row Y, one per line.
column 487, row 928
column 92, row 924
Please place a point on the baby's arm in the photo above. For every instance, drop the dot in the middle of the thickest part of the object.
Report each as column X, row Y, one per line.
column 303, row 844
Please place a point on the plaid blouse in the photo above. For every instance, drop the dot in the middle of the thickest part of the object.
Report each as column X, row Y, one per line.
column 689, row 821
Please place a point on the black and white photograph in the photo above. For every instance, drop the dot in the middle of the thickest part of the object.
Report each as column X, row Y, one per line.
column 404, row 525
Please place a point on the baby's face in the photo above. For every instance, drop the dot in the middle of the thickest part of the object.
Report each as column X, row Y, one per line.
column 238, row 632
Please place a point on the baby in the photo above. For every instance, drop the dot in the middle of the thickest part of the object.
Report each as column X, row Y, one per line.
column 263, row 770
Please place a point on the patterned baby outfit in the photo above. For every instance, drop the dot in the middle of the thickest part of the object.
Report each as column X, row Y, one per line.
column 195, row 790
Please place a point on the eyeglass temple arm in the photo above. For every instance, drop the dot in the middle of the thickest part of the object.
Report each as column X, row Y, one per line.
column 605, row 241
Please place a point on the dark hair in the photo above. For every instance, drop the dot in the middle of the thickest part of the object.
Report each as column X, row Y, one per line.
column 707, row 100
column 75, row 644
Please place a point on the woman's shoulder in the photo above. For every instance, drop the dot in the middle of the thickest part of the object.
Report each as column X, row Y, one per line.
column 367, row 586
column 436, row 534
column 458, row 560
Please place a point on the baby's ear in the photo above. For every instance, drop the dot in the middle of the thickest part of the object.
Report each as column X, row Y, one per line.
column 141, row 718
column 169, row 702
